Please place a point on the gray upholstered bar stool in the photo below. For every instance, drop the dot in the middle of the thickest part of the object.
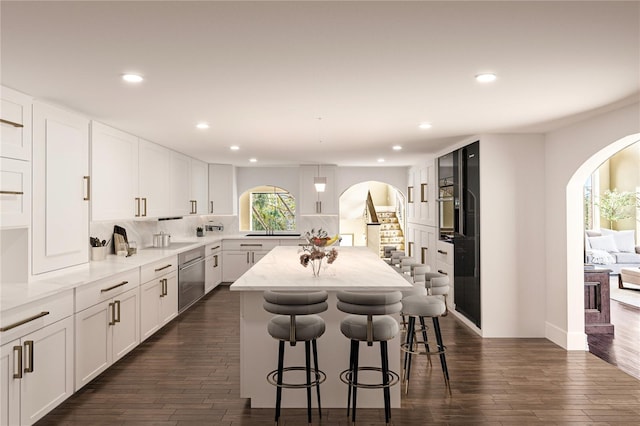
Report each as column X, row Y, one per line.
column 370, row 322
column 422, row 307
column 296, row 322
column 395, row 257
column 438, row 285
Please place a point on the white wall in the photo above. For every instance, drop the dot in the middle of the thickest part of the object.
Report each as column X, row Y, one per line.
column 348, row 176
column 511, row 237
column 571, row 154
column 284, row 177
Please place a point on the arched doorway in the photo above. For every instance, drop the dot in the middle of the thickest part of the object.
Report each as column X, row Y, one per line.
column 575, row 232
column 360, row 202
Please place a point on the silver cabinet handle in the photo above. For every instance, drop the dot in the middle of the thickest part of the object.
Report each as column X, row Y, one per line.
column 29, row 344
column 112, row 321
column 88, row 179
column 104, row 290
column 18, row 374
column 24, row 321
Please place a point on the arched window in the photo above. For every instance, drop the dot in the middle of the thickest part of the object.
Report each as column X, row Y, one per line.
column 267, row 208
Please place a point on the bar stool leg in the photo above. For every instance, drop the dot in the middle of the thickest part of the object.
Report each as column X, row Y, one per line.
column 443, row 359
column 307, row 358
column 279, row 380
column 355, row 378
column 314, row 345
column 351, row 352
column 384, row 360
column 407, row 355
column 426, row 341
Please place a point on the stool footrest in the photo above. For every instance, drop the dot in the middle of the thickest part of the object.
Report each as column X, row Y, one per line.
column 404, row 347
column 347, row 378
column 319, row 375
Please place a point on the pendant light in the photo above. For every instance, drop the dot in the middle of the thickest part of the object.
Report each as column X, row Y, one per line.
column 320, row 182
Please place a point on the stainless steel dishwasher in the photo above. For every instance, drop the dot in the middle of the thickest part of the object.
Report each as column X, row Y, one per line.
column 190, row 277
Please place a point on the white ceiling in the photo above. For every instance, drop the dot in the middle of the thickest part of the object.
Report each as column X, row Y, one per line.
column 261, row 73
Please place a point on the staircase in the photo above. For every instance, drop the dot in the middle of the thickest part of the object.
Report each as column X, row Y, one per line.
column 390, row 231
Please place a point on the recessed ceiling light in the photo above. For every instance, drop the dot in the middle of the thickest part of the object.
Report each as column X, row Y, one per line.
column 132, row 78
column 486, row 77
column 202, row 126
column 234, row 147
column 425, row 125
column 380, row 160
column 253, row 160
column 397, row 147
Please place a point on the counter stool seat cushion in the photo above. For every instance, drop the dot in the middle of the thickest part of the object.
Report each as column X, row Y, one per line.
column 423, row 306
column 355, row 327
column 308, row 327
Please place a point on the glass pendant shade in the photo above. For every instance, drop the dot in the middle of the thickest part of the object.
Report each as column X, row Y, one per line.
column 320, row 183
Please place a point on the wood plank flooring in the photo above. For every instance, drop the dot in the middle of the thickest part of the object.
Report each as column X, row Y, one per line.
column 188, row 374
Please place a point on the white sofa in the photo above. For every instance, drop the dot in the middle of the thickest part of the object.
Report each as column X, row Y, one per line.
column 612, row 249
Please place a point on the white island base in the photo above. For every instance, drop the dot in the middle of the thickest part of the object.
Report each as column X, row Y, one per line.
column 356, row 269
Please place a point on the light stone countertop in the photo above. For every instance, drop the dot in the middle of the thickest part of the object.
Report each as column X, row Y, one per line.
column 15, row 294
column 356, row 268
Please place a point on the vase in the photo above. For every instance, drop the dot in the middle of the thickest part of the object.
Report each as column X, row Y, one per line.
column 315, row 267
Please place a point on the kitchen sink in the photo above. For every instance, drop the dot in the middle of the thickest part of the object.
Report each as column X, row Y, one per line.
column 262, row 234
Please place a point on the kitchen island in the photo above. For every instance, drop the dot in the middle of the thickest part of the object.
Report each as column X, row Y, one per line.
column 356, row 269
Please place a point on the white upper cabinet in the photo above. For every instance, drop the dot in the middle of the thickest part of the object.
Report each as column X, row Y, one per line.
column 421, row 194
column 223, row 195
column 15, row 125
column 154, row 168
column 312, row 202
column 199, row 186
column 61, row 189
column 180, row 181
column 114, row 174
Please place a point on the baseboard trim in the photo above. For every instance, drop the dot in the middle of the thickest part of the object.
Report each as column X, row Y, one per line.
column 568, row 341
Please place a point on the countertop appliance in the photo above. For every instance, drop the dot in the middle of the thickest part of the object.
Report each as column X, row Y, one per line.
column 190, row 277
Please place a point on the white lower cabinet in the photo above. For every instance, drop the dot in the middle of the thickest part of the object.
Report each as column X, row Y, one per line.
column 237, row 263
column 158, row 303
column 15, row 193
column 109, row 328
column 37, row 368
column 213, row 267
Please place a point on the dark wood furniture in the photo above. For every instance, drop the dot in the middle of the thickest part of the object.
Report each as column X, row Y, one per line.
column 597, row 311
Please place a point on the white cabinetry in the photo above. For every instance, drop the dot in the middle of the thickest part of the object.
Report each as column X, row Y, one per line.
column 154, row 179
column 223, row 195
column 240, row 255
column 107, row 323
column 444, row 265
column 61, row 187
column 158, row 295
column 199, row 187
column 15, row 193
column 15, row 125
column 180, row 181
column 309, row 198
column 36, row 359
column 114, row 174
column 213, row 266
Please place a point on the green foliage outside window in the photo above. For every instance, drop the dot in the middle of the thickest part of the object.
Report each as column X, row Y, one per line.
column 273, row 210
column 615, row 206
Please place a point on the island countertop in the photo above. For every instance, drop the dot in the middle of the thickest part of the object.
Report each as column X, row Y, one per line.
column 356, row 268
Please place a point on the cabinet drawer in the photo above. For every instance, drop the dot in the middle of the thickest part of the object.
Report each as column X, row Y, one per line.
column 159, row 268
column 212, row 248
column 445, row 269
column 30, row 317
column 249, row 244
column 104, row 289
column 444, row 253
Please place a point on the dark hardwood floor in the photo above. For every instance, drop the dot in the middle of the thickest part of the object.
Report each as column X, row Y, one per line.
column 187, row 374
column 621, row 349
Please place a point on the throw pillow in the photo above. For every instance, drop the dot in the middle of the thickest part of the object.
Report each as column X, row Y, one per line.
column 606, row 243
column 625, row 240
column 601, row 257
